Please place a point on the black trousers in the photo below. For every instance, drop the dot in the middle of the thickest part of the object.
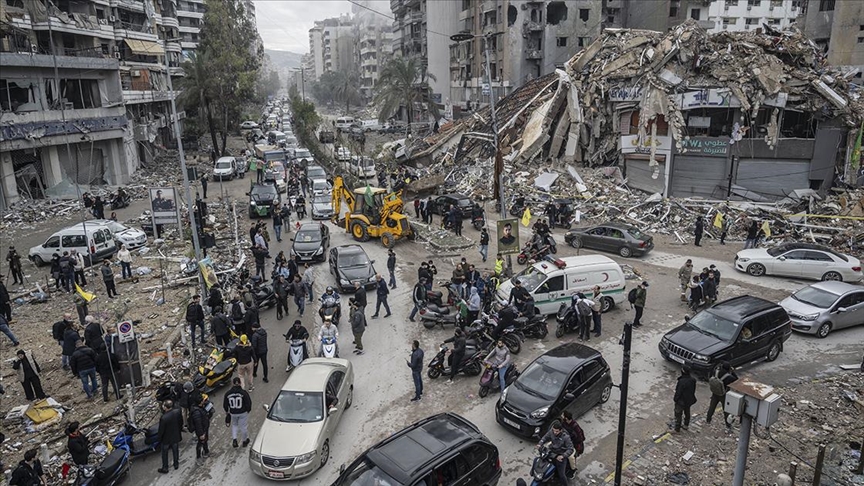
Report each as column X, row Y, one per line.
column 109, row 378
column 679, row 410
column 17, row 276
column 110, row 288
column 263, row 360
column 456, row 361
column 80, row 279
column 584, row 327
column 698, row 238
column 175, row 450
column 223, row 340
column 33, row 388
column 83, row 312
column 712, row 406
column 202, row 447
column 281, row 307
column 637, row 320
column 6, row 310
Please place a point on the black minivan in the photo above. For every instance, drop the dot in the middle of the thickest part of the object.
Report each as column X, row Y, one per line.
column 441, row 449
column 571, row 377
column 738, row 330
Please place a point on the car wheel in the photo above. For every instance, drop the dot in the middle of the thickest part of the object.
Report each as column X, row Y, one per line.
column 607, row 304
column 38, row 260
column 607, row 392
column 756, row 269
column 433, row 373
column 359, row 231
column 576, row 242
column 387, row 239
column 823, row 330
column 625, row 251
column 773, row 352
column 350, row 398
column 832, row 276
column 325, row 453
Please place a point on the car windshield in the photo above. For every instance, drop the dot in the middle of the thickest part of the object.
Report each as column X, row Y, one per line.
column 815, row 297
column 307, row 236
column 315, row 173
column 368, row 474
column 531, row 278
column 465, row 203
column 711, row 324
column 321, row 199
column 367, row 163
column 302, row 153
column 263, row 191
column 223, row 164
column 352, row 260
column 297, row 407
column 777, row 251
column 276, row 167
column 319, row 184
column 116, row 227
column 541, row 380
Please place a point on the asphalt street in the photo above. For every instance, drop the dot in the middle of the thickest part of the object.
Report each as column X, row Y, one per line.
column 383, row 385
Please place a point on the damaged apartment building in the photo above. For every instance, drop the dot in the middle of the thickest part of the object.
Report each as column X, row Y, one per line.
column 84, row 91
column 742, row 115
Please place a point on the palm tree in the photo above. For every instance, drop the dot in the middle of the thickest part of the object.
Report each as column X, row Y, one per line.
column 402, row 82
column 345, row 88
column 196, row 89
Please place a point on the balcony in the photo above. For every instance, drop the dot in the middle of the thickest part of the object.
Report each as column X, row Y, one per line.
column 367, row 49
column 189, row 29
column 396, row 5
column 170, row 21
column 125, row 30
column 488, row 6
column 415, row 17
column 134, row 97
column 189, row 44
column 130, row 5
column 173, row 47
column 529, row 26
column 197, row 13
column 534, row 54
column 79, row 28
column 92, row 59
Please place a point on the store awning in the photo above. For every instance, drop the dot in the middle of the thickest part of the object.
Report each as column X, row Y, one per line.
column 144, row 48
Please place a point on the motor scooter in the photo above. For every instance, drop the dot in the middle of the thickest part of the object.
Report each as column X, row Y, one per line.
column 296, row 352
column 217, row 369
column 147, row 440
column 108, row 472
column 328, row 347
column 118, row 202
column 533, row 326
column 330, row 307
column 489, row 379
column 265, row 296
column 543, row 469
column 532, row 252
column 478, row 222
column 436, row 296
column 568, row 320
column 470, row 365
column 511, row 336
column 432, row 315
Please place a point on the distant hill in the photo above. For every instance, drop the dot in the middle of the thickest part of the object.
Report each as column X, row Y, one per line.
column 284, row 59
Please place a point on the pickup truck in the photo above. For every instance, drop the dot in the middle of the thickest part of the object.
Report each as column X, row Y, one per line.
column 269, row 153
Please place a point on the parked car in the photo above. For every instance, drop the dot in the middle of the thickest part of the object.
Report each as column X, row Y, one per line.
column 275, row 174
column 296, row 437
column 443, row 203
column 441, row 446
column 322, row 206
column 131, row 238
column 248, row 125
column 343, row 154
column 315, row 172
column 311, row 242
column 622, row 239
column 825, row 306
column 363, row 167
column 320, row 186
column 303, row 156
column 349, row 264
column 571, row 377
column 225, row 168
column 737, row 330
column 255, row 135
column 93, row 241
column 262, row 198
column 801, row 260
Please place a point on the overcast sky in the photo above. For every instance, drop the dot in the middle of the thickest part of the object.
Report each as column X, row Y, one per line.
column 284, row 24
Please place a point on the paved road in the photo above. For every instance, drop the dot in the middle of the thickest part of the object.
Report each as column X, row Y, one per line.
column 383, row 386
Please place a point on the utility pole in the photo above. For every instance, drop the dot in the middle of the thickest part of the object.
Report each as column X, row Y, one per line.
column 190, row 204
column 622, row 409
column 303, row 82
column 499, row 161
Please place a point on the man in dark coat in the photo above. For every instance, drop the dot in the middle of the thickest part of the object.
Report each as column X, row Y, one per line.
column 201, row 428
column 93, row 333
column 170, row 434
column 5, row 301
column 78, row 445
column 107, row 367
column 83, row 364
column 215, row 300
column 685, row 397
column 360, row 296
column 28, row 472
column 250, row 318
column 220, row 326
column 195, row 317
column 381, row 292
column 281, row 289
column 14, row 260
column 259, row 345
column 416, row 365
column 57, row 331
column 28, row 374
column 700, row 228
column 70, row 337
column 391, row 267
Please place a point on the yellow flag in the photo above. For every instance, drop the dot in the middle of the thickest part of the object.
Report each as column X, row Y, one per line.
column 84, row 294
column 526, row 217
column 766, row 229
column 718, row 220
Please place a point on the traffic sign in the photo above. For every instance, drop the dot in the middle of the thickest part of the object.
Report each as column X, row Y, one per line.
column 126, row 331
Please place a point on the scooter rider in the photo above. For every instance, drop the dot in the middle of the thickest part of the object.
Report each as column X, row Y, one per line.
column 499, row 358
column 331, row 294
column 506, row 318
column 518, row 295
column 561, row 446
column 297, row 331
column 458, row 353
column 328, row 330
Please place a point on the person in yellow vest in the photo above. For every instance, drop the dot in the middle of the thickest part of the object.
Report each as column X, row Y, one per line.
column 499, row 264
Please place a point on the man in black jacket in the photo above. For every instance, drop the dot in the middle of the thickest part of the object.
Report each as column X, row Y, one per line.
column 685, row 397
column 107, row 367
column 416, row 365
column 83, row 363
column 201, row 428
column 215, row 300
column 237, row 404
column 57, row 332
column 391, row 267
column 360, row 297
column 381, row 292
column 170, row 434
column 29, row 471
column 5, row 301
column 719, row 383
column 419, row 296
column 70, row 338
column 220, row 326
column 280, row 288
column 78, row 445
column 458, row 353
column 259, row 346
column 93, row 333
column 195, row 317
column 260, row 255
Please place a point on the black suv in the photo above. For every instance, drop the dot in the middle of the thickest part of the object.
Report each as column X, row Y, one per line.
column 442, row 447
column 443, row 203
column 738, row 330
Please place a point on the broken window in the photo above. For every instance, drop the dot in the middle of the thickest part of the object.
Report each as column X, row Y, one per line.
column 556, row 12
column 561, row 42
column 584, row 14
column 533, row 15
column 774, row 22
column 797, row 124
column 19, row 95
column 673, row 10
column 826, row 5
column 466, row 4
column 79, row 94
column 15, row 3
column 493, row 69
column 729, row 21
column 512, row 13
column 662, row 125
column 754, row 3
column 710, row 122
column 731, row 3
column 751, row 21
column 695, row 13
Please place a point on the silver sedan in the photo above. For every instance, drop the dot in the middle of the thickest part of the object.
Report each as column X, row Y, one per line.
column 825, row 306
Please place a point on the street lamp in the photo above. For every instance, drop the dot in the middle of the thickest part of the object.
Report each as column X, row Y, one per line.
column 499, row 162
column 302, row 81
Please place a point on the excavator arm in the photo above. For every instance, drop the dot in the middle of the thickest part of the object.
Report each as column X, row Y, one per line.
column 339, row 194
column 392, row 205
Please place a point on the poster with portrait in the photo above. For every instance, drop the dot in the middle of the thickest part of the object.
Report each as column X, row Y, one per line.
column 163, row 205
column 508, row 236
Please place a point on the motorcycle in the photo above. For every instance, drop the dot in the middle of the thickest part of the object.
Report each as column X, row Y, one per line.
column 265, row 297
column 328, row 347
column 568, row 320
column 518, row 207
column 432, row 315
column 217, row 369
column 478, row 222
column 147, row 443
column 330, row 307
column 470, row 365
column 296, row 352
column 533, row 327
column 108, row 472
column 543, row 469
column 118, row 202
column 489, row 380
column 532, row 252
column 511, row 336
column 435, row 296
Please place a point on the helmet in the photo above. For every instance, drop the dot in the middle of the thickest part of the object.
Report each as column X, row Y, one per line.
column 329, row 289
column 188, row 387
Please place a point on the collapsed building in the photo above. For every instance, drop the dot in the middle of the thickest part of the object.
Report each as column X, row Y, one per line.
column 731, row 116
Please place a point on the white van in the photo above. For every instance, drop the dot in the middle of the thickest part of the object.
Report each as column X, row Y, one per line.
column 370, row 125
column 98, row 243
column 553, row 282
column 363, row 167
column 344, row 122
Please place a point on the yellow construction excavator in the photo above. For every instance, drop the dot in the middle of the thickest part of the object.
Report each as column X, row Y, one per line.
column 372, row 213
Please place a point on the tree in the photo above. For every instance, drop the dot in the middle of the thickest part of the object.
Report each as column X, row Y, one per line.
column 403, row 82
column 196, row 88
column 345, row 88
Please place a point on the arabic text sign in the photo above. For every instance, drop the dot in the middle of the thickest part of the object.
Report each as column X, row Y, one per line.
column 705, row 146
column 631, row 144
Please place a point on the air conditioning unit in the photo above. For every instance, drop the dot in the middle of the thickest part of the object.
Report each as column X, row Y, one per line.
column 116, row 55
column 34, row 48
column 726, row 7
column 749, row 7
column 725, row 26
column 112, row 19
column 136, row 73
column 771, row 8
